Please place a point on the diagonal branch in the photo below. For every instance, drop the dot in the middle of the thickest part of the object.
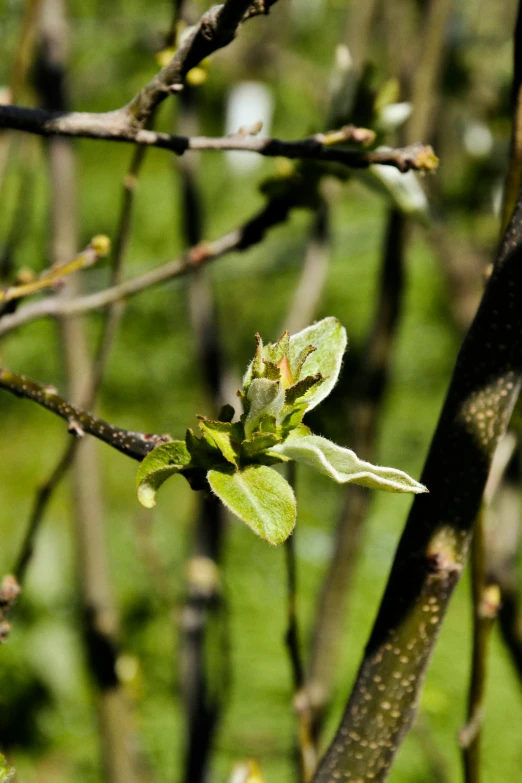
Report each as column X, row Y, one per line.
column 252, row 232
column 435, row 542
column 133, row 444
column 99, row 246
column 216, row 29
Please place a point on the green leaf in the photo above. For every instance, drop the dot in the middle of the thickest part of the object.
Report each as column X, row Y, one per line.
column 225, row 435
column 203, row 451
column 297, row 392
column 301, row 359
column 298, row 431
column 344, row 466
column 277, row 351
column 329, row 338
column 259, row 443
column 157, row 467
column 293, row 419
column 271, row 371
column 268, row 423
column 318, row 349
column 260, row 497
column 265, row 398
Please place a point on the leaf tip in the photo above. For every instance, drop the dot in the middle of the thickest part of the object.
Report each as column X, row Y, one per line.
column 146, row 495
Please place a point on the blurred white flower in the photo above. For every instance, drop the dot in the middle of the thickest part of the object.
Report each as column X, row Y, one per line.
column 393, row 116
column 248, row 103
column 478, row 139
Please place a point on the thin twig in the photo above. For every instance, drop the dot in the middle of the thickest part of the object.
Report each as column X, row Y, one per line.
column 205, row 637
column 24, row 207
column 302, row 706
column 215, row 30
column 21, row 64
column 24, row 49
column 276, row 211
column 430, row 57
column 40, row 503
column 50, row 278
column 486, row 601
column 133, row 444
column 321, row 147
column 503, row 547
column 514, row 174
column 121, row 242
column 99, row 614
column 58, row 307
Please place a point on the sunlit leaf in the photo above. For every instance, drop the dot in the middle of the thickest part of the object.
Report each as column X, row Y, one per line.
column 318, row 349
column 260, row 497
column 298, row 392
column 225, row 435
column 266, row 398
column 259, row 443
column 344, row 466
column 164, row 461
column 329, row 338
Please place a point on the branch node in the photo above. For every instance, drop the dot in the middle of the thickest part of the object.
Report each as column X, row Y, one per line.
column 74, row 427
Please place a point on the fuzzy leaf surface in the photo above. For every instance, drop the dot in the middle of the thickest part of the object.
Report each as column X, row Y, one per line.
column 260, row 442
column 258, row 496
column 318, row 349
column 297, row 392
column 162, row 462
column 265, row 398
column 344, row 466
column 329, row 339
column 225, row 436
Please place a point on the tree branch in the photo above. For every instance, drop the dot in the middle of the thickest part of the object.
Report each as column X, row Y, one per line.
column 216, row 29
column 112, row 126
column 434, row 545
column 133, row 444
column 486, row 601
column 275, row 211
column 302, row 705
column 99, row 246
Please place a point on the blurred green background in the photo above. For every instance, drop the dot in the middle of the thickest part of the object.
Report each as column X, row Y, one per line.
column 153, row 383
